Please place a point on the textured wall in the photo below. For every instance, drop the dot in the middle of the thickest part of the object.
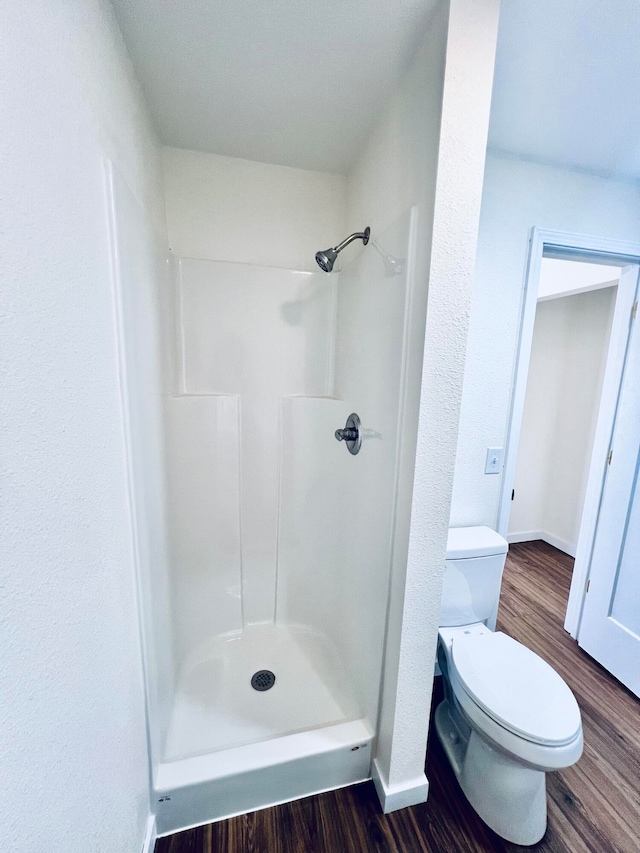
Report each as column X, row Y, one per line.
column 471, row 43
column 516, row 196
column 397, row 169
column 73, row 744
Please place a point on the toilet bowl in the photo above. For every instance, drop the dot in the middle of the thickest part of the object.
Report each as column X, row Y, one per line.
column 507, row 718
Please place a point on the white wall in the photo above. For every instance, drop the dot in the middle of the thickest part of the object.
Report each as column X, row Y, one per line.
column 564, row 386
column 437, row 120
column 337, row 510
column 516, row 196
column 73, row 743
column 228, row 209
column 562, row 278
column 252, row 330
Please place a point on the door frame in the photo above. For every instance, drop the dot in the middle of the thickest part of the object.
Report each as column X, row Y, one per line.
column 577, row 247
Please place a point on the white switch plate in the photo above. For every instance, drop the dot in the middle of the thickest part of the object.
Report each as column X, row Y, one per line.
column 493, row 464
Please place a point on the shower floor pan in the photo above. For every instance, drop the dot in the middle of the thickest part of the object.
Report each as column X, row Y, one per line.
column 232, row 749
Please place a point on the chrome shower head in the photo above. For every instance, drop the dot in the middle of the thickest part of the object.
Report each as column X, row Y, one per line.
column 327, row 259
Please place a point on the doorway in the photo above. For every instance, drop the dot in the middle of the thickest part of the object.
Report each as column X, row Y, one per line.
column 618, row 370
column 571, row 336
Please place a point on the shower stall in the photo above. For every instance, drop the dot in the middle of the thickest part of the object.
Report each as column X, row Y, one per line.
column 268, row 544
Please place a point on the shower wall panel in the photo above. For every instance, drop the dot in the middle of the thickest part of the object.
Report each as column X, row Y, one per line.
column 314, row 515
column 337, row 510
column 251, row 334
column 203, row 462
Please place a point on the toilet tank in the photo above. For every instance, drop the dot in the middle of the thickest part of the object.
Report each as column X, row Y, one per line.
column 472, row 575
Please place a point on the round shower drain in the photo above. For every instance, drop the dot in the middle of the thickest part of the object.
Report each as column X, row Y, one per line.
column 263, row 679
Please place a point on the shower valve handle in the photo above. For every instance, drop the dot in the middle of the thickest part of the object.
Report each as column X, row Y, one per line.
column 351, row 434
column 347, row 434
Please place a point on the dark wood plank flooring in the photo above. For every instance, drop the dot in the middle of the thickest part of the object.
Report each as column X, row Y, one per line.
column 594, row 806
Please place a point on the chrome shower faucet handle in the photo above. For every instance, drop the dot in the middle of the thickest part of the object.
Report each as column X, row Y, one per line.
column 351, row 434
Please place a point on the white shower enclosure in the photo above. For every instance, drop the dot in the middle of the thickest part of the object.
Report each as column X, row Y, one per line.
column 263, row 544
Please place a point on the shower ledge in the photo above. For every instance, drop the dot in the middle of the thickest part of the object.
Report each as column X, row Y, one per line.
column 256, row 756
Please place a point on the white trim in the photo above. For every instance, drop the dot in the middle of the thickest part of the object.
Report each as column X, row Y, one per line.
column 550, row 538
column 521, row 372
column 525, row 536
column 561, row 544
column 394, row 797
column 109, row 175
column 581, row 247
column 620, row 330
column 150, row 835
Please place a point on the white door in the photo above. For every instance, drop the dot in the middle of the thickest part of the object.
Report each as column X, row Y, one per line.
column 610, row 626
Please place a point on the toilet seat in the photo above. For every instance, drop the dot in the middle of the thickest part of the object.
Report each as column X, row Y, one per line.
column 516, row 688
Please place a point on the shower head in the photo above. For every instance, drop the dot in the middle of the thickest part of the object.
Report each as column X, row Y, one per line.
column 327, row 259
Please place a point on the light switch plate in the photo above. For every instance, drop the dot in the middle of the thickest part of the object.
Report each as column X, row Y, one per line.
column 493, row 463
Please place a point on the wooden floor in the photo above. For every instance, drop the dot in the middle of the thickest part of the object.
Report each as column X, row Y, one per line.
column 593, row 807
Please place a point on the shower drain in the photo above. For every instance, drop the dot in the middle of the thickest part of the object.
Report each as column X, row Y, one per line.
column 263, row 679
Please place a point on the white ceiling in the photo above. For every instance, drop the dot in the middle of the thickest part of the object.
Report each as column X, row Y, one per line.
column 300, row 82
column 293, row 82
column 567, row 83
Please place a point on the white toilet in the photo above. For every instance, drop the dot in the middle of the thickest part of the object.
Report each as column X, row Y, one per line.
column 508, row 717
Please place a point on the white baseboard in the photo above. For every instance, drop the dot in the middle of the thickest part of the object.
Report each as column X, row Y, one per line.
column 150, row 835
column 394, row 797
column 560, row 544
column 526, row 536
column 549, row 538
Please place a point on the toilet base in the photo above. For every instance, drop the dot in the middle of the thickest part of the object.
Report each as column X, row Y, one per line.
column 510, row 797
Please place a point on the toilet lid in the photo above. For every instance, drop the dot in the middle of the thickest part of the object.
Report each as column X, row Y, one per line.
column 515, row 687
column 467, row 542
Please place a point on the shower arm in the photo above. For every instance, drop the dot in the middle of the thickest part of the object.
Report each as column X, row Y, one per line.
column 359, row 235
column 327, row 258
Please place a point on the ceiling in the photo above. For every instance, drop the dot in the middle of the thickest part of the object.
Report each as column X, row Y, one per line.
column 567, row 83
column 300, row 83
column 292, row 82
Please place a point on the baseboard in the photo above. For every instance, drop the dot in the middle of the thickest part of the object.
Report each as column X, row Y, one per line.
column 150, row 835
column 549, row 538
column 560, row 544
column 394, row 797
column 526, row 536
